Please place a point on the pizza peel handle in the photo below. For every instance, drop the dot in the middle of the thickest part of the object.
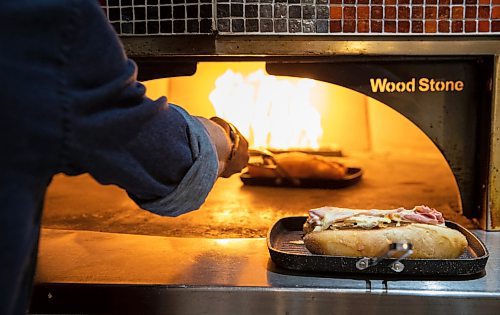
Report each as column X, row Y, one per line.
column 394, row 250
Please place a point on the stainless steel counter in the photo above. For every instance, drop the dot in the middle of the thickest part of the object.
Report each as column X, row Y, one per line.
column 95, row 272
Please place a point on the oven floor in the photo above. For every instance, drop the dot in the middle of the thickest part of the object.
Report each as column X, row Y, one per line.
column 234, row 210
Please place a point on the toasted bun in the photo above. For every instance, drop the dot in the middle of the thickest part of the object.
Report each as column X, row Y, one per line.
column 429, row 241
column 302, row 165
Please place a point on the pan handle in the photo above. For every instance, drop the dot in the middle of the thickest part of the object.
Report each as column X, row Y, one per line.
column 404, row 249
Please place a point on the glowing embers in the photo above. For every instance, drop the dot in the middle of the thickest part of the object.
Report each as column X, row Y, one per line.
column 271, row 112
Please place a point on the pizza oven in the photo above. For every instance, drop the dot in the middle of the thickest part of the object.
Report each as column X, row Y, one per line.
column 403, row 93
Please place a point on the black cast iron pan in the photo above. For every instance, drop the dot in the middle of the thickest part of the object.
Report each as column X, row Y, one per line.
column 352, row 177
column 287, row 251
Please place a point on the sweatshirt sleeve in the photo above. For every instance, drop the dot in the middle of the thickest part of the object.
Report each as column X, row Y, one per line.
column 156, row 151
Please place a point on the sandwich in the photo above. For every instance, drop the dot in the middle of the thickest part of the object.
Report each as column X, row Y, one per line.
column 300, row 165
column 367, row 233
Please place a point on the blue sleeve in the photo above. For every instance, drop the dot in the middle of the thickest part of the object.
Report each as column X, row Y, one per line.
column 157, row 152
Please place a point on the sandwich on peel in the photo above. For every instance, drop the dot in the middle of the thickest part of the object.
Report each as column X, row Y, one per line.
column 367, row 233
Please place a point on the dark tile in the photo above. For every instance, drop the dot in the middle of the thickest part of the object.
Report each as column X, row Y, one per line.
column 128, row 28
column 152, row 13
column 349, row 13
column 307, row 1
column 430, row 13
column 444, row 2
column 390, row 26
column 349, row 26
column 390, row 12
column 222, row 10
column 336, row 2
column 377, row 2
column 165, row 12
column 403, row 13
column 153, row 27
column 113, row 2
column 484, row 12
column 293, row 1
column 431, row 2
column 280, row 25
column 224, row 25
column 417, row 26
column 193, row 26
column 322, row 12
column 470, row 12
column 294, row 12
column 166, row 27
column 335, row 26
column 179, row 13
column 141, row 2
column 206, row 26
column 280, row 10
column 403, row 26
column 294, row 26
column 140, row 27
column 363, row 1
column 126, row 14
column 114, row 14
column 178, row 2
column 322, row 1
column 192, row 11
column 363, row 12
column 237, row 10
column 457, row 1
column 363, row 26
column 457, row 13
column 417, row 2
column 349, row 1
column 251, row 25
column 470, row 1
column 127, row 3
column 238, row 25
column 404, row 2
column 266, row 11
column 377, row 13
column 205, row 11
column 308, row 12
column 149, row 2
column 443, row 26
column 376, row 26
column 179, row 27
column 308, row 26
column 470, row 26
column 443, row 12
column 417, row 12
column 251, row 11
column 321, row 26
column 457, row 26
column 161, row 1
column 266, row 25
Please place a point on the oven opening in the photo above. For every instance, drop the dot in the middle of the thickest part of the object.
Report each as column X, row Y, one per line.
column 401, row 166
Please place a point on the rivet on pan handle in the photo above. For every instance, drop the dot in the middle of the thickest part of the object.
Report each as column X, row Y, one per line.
column 404, row 249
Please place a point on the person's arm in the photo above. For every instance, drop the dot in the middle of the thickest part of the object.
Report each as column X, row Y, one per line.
column 164, row 158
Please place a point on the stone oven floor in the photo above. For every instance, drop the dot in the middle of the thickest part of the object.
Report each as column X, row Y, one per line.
column 233, row 210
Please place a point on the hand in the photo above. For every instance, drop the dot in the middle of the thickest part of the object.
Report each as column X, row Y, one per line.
column 231, row 153
column 238, row 156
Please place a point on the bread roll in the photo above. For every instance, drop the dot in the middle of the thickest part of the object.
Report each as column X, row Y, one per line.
column 429, row 241
column 302, row 165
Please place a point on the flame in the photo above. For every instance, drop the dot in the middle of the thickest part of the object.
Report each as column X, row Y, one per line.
column 270, row 112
